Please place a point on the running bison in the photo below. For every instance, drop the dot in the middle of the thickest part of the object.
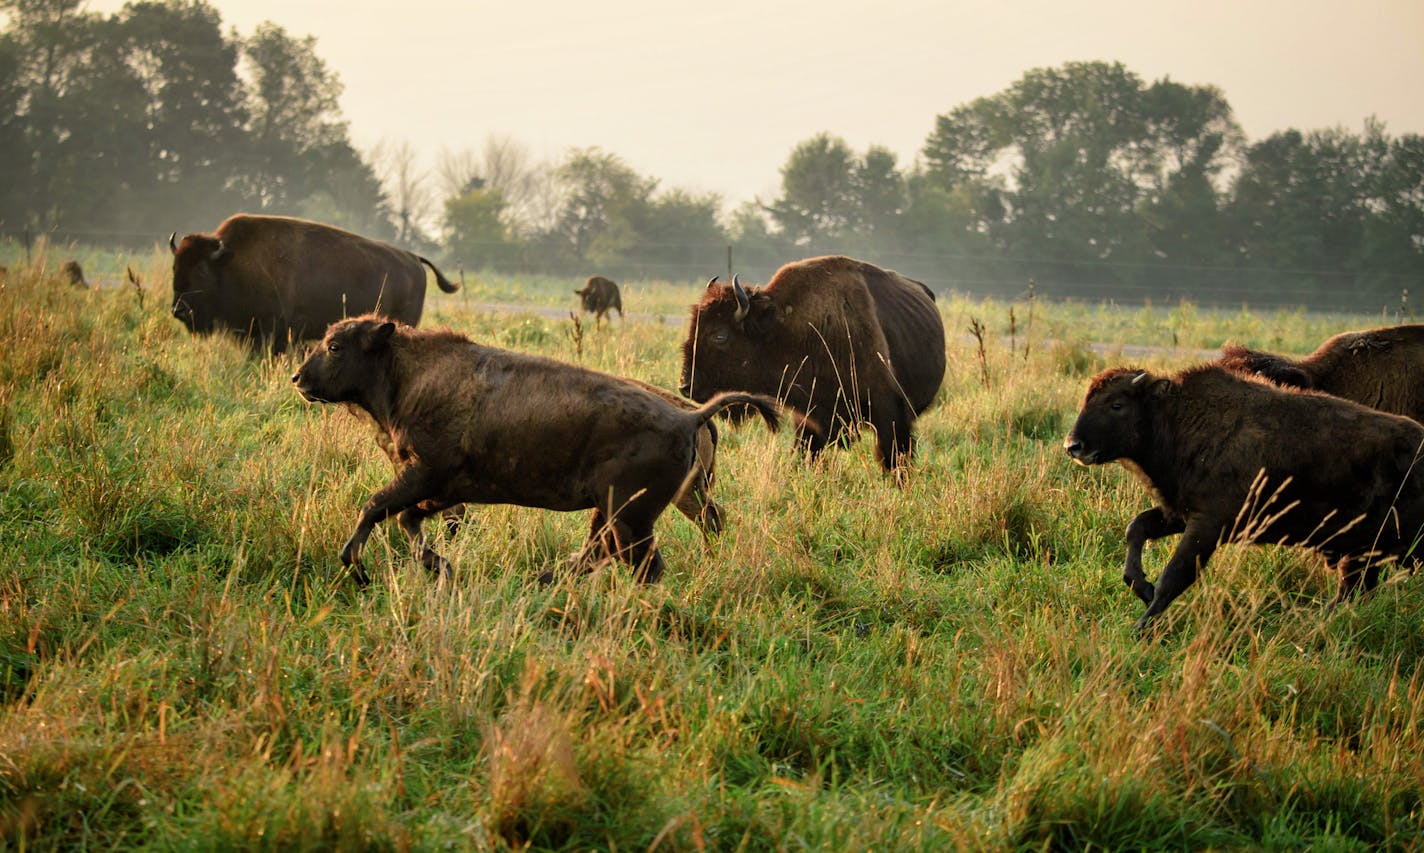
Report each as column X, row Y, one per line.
column 599, row 296
column 840, row 341
column 1230, row 460
column 275, row 280
column 469, row 423
column 1380, row 368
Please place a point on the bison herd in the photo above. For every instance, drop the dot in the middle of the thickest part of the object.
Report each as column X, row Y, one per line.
column 1323, row 453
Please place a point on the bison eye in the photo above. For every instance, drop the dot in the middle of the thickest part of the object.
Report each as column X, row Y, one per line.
column 333, row 347
column 1117, row 405
column 719, row 336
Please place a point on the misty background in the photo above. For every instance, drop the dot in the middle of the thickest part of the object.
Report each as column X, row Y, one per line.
column 1085, row 178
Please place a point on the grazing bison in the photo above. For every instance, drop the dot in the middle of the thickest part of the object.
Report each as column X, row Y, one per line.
column 1230, row 460
column 73, row 274
column 839, row 340
column 280, row 280
column 469, row 423
column 1380, row 368
column 599, row 296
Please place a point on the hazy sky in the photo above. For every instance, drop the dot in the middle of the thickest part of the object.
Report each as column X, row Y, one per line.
column 711, row 95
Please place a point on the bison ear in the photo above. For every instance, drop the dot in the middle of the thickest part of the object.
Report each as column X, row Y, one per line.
column 380, row 336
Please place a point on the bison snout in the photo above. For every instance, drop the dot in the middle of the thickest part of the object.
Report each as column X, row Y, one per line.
column 1075, row 449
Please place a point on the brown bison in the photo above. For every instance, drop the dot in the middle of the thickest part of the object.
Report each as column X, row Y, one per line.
column 475, row 424
column 840, row 341
column 1380, row 368
column 72, row 273
column 1230, row 460
column 599, row 296
column 277, row 280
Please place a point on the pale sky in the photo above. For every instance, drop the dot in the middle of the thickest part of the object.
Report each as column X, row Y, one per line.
column 712, row 95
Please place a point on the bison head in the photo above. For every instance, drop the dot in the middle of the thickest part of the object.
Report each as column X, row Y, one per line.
column 351, row 357
column 1112, row 424
column 729, row 343
column 197, row 292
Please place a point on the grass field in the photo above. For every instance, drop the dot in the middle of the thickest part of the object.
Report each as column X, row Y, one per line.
column 849, row 666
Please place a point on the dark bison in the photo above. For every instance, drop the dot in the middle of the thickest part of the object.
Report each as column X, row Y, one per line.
column 72, row 273
column 1380, row 368
column 1238, row 459
column 692, row 500
column 469, row 423
column 599, row 296
column 840, row 341
column 277, row 280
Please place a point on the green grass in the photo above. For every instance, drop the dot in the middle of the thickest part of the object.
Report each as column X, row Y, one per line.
column 950, row 664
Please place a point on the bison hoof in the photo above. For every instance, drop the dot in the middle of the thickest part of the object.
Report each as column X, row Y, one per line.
column 545, row 579
column 358, row 574
column 1142, row 589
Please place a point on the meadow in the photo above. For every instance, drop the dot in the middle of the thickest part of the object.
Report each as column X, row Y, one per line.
column 184, row 662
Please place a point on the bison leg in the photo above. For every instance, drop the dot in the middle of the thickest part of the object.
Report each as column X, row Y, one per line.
column 1356, row 575
column 410, row 521
column 1154, row 523
column 1198, row 543
column 406, row 491
column 894, row 436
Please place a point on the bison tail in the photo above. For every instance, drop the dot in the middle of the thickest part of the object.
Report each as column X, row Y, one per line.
column 444, row 283
column 765, row 406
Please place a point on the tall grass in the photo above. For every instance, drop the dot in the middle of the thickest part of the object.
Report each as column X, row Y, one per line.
column 850, row 665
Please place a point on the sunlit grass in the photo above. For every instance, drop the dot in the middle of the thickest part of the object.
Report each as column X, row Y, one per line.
column 850, row 665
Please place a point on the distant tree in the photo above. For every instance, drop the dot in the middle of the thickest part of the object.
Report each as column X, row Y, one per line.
column 475, row 230
column 604, row 202
column 819, row 199
column 293, row 109
column 195, row 113
column 406, row 186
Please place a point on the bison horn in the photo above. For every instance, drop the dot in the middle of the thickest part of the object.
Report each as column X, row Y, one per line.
column 713, row 280
column 171, row 244
column 221, row 253
column 744, row 303
column 1139, row 378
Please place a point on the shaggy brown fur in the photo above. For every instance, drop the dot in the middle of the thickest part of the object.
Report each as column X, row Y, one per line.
column 73, row 274
column 841, row 341
column 474, row 424
column 1230, row 459
column 277, row 280
column 1379, row 368
column 599, row 296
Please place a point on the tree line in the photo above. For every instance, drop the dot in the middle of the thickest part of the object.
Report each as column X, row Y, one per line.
column 1084, row 178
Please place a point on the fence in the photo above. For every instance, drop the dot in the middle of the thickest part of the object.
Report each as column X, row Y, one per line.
column 1002, row 277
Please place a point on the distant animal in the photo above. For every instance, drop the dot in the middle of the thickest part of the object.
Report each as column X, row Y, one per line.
column 1237, row 459
column 276, row 280
column 1380, row 368
column 839, row 340
column 72, row 273
column 599, row 296
column 470, row 423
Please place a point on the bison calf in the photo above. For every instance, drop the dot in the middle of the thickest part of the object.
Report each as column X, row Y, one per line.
column 1237, row 459
column 1379, row 368
column 469, row 423
column 599, row 296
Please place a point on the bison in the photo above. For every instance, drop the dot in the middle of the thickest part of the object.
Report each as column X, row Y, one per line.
column 1380, row 368
column 72, row 273
column 599, row 296
column 1230, row 460
column 469, row 423
column 840, row 341
column 278, row 280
